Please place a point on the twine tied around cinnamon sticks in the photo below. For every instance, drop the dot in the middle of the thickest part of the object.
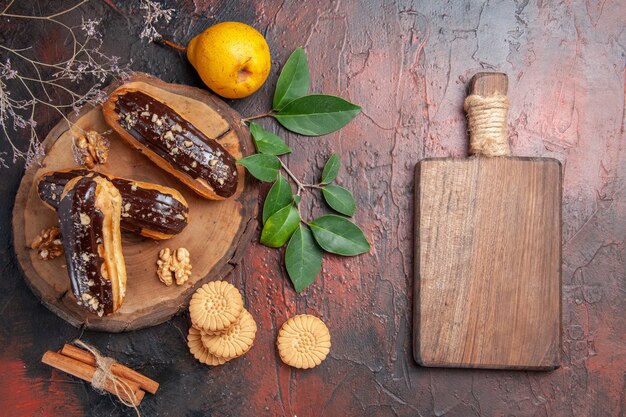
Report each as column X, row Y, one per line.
column 104, row 374
column 487, row 124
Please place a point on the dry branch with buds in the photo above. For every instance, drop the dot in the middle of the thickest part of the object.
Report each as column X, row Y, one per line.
column 53, row 85
column 63, row 85
column 153, row 12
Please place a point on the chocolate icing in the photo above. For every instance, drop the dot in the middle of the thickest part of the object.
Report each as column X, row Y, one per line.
column 142, row 208
column 81, row 240
column 50, row 186
column 181, row 144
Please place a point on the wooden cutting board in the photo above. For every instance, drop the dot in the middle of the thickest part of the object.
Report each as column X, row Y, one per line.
column 488, row 258
column 216, row 237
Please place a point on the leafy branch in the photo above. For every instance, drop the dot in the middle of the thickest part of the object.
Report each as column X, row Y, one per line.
column 306, row 114
column 283, row 223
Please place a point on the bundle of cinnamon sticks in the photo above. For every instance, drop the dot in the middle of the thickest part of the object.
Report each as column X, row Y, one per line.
column 82, row 364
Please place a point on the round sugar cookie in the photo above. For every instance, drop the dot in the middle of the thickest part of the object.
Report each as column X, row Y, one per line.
column 234, row 341
column 215, row 306
column 303, row 341
column 197, row 349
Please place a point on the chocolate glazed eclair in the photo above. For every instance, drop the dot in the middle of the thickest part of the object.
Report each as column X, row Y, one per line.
column 171, row 142
column 89, row 221
column 152, row 210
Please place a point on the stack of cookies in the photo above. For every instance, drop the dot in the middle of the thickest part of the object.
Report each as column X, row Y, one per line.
column 221, row 328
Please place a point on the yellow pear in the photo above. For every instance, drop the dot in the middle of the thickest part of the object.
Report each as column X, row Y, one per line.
column 232, row 58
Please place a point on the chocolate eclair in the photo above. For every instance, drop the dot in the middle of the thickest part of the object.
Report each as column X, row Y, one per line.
column 152, row 210
column 171, row 142
column 89, row 212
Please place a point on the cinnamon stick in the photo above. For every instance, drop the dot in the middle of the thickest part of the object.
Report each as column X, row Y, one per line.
column 85, row 372
column 118, row 369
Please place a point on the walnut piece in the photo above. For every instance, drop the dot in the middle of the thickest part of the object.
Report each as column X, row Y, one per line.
column 163, row 267
column 91, row 148
column 48, row 243
column 174, row 265
column 181, row 266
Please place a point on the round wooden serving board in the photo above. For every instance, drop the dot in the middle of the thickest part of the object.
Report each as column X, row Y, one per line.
column 216, row 237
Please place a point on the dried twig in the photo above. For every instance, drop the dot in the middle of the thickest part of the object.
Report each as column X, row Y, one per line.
column 52, row 85
column 153, row 13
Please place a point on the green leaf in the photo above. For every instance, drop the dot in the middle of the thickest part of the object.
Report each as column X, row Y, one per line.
column 316, row 114
column 280, row 226
column 293, row 81
column 336, row 234
column 296, row 199
column 339, row 199
column 303, row 258
column 267, row 142
column 278, row 197
column 262, row 167
column 331, row 169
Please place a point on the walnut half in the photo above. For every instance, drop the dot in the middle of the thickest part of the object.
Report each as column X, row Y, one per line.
column 181, row 266
column 174, row 265
column 163, row 266
column 91, row 148
column 48, row 243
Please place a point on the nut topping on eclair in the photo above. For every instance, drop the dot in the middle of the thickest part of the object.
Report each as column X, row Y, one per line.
column 172, row 142
column 89, row 222
column 152, row 210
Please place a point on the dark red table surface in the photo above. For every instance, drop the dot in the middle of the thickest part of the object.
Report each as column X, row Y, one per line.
column 408, row 64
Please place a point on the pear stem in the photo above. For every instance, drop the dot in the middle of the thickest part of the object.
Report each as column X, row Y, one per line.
column 172, row 44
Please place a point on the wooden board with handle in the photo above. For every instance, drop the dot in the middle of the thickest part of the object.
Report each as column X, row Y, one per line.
column 488, row 257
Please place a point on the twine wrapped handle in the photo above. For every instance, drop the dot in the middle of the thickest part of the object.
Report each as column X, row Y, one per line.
column 487, row 109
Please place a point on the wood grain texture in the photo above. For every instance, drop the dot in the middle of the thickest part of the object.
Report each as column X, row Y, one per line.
column 487, row 84
column 148, row 301
column 406, row 63
column 488, row 263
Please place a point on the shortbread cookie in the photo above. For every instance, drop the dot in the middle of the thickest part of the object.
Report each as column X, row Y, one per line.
column 234, row 341
column 303, row 341
column 198, row 350
column 215, row 306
